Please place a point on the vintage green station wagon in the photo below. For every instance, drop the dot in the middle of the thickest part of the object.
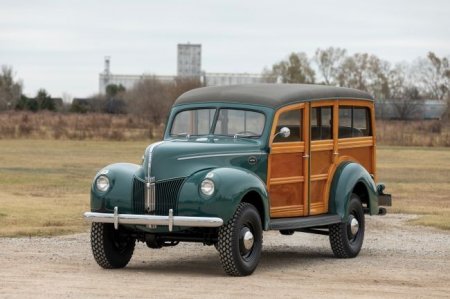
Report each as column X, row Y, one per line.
column 239, row 160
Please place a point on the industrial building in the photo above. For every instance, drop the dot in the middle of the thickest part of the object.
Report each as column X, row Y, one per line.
column 189, row 62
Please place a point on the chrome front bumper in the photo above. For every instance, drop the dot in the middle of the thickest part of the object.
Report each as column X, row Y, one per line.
column 152, row 220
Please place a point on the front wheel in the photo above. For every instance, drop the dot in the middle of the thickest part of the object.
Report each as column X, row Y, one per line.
column 111, row 248
column 240, row 241
column 346, row 238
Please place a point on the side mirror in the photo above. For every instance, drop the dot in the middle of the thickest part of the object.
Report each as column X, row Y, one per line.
column 284, row 132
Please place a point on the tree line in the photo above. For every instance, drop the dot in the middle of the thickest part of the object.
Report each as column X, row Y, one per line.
column 426, row 77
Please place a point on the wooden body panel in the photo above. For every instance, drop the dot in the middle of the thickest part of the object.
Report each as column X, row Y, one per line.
column 300, row 173
column 287, row 172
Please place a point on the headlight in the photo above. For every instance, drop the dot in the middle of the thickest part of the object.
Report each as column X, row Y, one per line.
column 207, row 187
column 102, row 183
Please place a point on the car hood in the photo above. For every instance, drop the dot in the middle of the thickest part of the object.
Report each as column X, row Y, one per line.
column 181, row 158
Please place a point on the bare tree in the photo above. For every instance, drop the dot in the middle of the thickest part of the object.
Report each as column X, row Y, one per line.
column 296, row 69
column 328, row 63
column 432, row 75
column 10, row 89
column 365, row 72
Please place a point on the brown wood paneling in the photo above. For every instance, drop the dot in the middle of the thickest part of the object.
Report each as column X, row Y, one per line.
column 321, row 161
column 287, row 165
column 284, row 199
column 318, row 191
column 363, row 155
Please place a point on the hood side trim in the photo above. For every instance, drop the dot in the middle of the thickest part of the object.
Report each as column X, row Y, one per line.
column 221, row 155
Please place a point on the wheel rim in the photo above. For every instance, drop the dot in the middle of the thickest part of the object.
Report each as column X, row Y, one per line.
column 353, row 226
column 246, row 242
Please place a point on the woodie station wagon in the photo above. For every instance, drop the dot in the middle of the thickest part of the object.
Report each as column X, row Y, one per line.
column 239, row 160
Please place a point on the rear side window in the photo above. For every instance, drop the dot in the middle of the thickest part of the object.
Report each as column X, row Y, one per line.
column 322, row 123
column 354, row 122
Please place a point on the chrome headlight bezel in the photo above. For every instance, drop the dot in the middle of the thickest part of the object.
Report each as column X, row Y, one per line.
column 102, row 183
column 207, row 187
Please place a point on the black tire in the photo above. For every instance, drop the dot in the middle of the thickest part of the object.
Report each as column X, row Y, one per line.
column 236, row 258
column 111, row 248
column 344, row 242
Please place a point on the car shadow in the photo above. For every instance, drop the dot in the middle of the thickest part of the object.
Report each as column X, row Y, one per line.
column 273, row 258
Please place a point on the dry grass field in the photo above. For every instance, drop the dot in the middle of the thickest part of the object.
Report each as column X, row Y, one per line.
column 44, row 184
column 419, row 180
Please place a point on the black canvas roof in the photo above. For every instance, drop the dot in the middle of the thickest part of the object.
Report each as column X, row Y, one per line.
column 271, row 95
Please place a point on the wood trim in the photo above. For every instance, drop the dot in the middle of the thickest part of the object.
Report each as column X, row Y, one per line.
column 358, row 103
column 322, row 145
column 319, row 177
column 356, row 142
column 307, row 158
column 335, row 132
column 323, row 103
column 374, row 136
column 288, row 147
column 287, row 180
column 287, row 211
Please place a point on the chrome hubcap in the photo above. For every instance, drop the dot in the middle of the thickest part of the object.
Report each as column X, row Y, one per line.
column 354, row 226
column 248, row 240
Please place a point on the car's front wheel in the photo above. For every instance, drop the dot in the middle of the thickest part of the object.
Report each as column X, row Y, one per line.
column 346, row 238
column 240, row 241
column 111, row 248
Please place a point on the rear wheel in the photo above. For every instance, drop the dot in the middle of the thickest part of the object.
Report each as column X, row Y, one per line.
column 111, row 248
column 346, row 238
column 240, row 241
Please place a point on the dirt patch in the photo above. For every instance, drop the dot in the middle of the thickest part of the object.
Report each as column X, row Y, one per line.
column 397, row 261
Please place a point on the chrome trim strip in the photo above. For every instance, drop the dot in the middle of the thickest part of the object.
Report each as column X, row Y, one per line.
column 116, row 218
column 221, row 155
column 169, row 221
column 150, row 151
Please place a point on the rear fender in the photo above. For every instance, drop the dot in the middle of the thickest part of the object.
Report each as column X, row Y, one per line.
column 346, row 177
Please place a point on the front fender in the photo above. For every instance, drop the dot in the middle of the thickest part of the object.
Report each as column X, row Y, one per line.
column 120, row 192
column 231, row 185
column 346, row 177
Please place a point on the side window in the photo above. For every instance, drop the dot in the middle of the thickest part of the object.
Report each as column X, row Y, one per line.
column 354, row 122
column 361, row 120
column 293, row 120
column 322, row 123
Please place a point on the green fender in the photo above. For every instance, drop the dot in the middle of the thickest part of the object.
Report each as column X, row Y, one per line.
column 120, row 192
column 231, row 186
column 346, row 177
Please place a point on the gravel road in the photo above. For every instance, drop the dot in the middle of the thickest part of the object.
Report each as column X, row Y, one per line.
column 397, row 261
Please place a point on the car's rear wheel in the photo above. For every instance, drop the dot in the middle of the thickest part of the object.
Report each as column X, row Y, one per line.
column 111, row 248
column 346, row 238
column 240, row 241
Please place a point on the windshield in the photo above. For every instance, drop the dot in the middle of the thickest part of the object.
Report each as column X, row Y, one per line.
column 229, row 122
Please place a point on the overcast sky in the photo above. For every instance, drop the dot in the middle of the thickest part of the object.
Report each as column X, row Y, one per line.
column 60, row 45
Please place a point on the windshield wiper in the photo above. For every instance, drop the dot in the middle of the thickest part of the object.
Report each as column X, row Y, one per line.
column 184, row 134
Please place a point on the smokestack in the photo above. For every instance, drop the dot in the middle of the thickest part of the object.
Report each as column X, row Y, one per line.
column 107, row 63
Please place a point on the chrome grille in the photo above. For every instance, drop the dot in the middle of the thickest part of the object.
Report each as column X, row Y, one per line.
column 138, row 196
column 166, row 196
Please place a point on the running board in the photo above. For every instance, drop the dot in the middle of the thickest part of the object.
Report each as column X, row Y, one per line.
column 303, row 222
